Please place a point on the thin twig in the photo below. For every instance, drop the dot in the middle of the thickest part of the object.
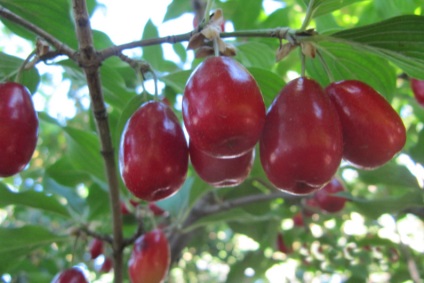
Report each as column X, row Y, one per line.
column 89, row 60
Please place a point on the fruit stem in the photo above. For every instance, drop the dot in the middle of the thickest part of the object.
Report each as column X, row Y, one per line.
column 325, row 66
column 18, row 78
column 216, row 47
column 208, row 11
column 303, row 60
column 308, row 17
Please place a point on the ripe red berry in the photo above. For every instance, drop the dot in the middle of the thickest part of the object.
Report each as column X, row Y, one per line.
column 153, row 154
column 221, row 172
column 223, row 109
column 418, row 90
column 96, row 248
column 71, row 275
column 19, row 128
column 150, row 258
column 298, row 220
column 301, row 144
column 327, row 201
column 106, row 265
column 372, row 130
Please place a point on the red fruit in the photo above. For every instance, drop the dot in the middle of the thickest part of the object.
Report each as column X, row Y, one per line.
column 150, row 258
column 156, row 210
column 281, row 245
column 372, row 130
column 106, row 265
column 327, row 201
column 96, row 248
column 298, row 220
column 223, row 109
column 153, row 154
column 221, row 172
column 71, row 275
column 311, row 206
column 418, row 90
column 18, row 128
column 301, row 144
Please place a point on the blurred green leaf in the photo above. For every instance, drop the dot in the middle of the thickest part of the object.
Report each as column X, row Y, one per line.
column 9, row 67
column 321, row 7
column 38, row 200
column 254, row 260
column 52, row 16
column 115, row 91
column 417, row 151
column 398, row 39
column 247, row 54
column 19, row 242
column 177, row 204
column 63, row 172
column 98, row 203
column 176, row 8
column 177, row 80
column 269, row 83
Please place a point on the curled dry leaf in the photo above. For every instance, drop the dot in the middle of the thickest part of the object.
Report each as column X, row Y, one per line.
column 284, row 51
column 308, row 49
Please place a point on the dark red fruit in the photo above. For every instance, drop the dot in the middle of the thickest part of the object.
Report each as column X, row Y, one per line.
column 156, row 210
column 71, row 275
column 418, row 90
column 18, row 128
column 223, row 109
column 301, row 144
column 96, row 248
column 153, row 154
column 221, row 172
column 372, row 130
column 327, row 201
column 281, row 245
column 150, row 258
column 106, row 265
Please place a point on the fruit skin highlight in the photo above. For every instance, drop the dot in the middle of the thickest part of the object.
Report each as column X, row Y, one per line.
column 417, row 87
column 301, row 145
column 223, row 108
column 372, row 130
column 18, row 128
column 153, row 154
column 150, row 258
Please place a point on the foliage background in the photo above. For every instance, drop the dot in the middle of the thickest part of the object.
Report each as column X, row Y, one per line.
column 64, row 187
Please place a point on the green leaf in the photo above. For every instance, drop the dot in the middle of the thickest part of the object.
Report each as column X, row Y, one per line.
column 243, row 14
column 321, row 7
column 84, row 152
column 391, row 175
column 346, row 62
column 52, row 16
column 115, row 91
column 247, row 54
column 177, row 204
column 177, row 80
column 98, row 203
column 9, row 67
column 19, row 242
column 417, row 152
column 373, row 208
column 269, row 82
column 38, row 200
column 399, row 39
column 177, row 8
column 63, row 172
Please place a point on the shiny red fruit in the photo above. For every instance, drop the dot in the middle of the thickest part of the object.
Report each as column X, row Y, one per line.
column 223, row 109
column 96, row 248
column 418, row 90
column 372, row 130
column 301, row 144
column 107, row 265
column 150, row 258
column 327, row 201
column 153, row 154
column 71, row 275
column 18, row 128
column 221, row 172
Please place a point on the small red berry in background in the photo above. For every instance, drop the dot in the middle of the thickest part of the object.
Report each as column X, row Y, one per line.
column 96, row 248
column 326, row 199
column 417, row 87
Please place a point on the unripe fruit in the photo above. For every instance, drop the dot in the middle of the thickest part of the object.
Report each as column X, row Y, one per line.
column 150, row 258
column 71, row 275
column 301, row 144
column 221, row 172
column 18, row 128
column 223, row 109
column 153, row 154
column 327, row 201
column 418, row 90
column 372, row 130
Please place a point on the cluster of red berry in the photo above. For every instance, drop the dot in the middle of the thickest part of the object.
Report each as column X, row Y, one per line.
column 303, row 137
